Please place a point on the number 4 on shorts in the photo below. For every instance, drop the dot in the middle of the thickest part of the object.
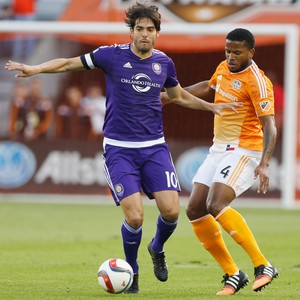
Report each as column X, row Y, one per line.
column 225, row 171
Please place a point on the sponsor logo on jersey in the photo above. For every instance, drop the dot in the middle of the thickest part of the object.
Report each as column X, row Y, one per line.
column 156, row 67
column 141, row 82
column 17, row 164
column 220, row 77
column 225, row 94
column 236, row 84
column 265, row 106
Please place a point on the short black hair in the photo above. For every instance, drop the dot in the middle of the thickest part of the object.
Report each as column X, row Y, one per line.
column 242, row 35
column 140, row 11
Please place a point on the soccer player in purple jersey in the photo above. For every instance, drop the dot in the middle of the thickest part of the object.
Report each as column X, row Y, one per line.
column 136, row 155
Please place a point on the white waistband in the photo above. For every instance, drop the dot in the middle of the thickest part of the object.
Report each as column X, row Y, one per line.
column 218, row 147
column 127, row 144
column 223, row 147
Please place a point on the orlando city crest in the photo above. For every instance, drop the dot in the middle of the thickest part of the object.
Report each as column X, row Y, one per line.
column 156, row 67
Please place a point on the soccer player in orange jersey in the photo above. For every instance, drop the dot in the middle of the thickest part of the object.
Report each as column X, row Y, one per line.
column 242, row 147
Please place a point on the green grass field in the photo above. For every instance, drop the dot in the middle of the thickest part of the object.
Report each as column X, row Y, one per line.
column 53, row 251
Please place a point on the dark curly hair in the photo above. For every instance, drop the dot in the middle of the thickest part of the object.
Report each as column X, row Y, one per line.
column 140, row 11
column 242, row 35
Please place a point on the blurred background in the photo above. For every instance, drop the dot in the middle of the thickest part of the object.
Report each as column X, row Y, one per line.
column 51, row 125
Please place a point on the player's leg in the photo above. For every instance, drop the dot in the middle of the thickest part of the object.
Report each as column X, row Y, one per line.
column 207, row 229
column 209, row 233
column 230, row 182
column 234, row 279
column 159, row 181
column 131, row 230
column 236, row 226
column 168, row 205
column 123, row 177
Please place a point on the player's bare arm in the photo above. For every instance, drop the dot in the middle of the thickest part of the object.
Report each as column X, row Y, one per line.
column 180, row 96
column 164, row 98
column 269, row 140
column 201, row 90
column 58, row 65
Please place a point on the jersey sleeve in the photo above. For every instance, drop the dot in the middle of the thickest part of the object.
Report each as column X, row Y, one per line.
column 262, row 95
column 213, row 79
column 99, row 58
column 171, row 80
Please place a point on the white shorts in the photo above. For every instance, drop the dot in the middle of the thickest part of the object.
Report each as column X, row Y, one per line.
column 230, row 165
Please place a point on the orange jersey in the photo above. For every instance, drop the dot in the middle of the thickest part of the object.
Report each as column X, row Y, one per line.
column 255, row 91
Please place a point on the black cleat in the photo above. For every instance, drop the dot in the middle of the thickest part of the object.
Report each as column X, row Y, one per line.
column 263, row 276
column 159, row 263
column 134, row 288
column 232, row 284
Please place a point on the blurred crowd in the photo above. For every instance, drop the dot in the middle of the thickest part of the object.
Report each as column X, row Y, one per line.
column 79, row 114
column 20, row 10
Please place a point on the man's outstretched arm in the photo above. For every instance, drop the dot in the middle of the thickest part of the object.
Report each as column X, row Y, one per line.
column 57, row 65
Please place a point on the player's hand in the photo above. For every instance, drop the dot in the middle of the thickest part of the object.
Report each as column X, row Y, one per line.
column 218, row 108
column 262, row 171
column 164, row 98
column 25, row 70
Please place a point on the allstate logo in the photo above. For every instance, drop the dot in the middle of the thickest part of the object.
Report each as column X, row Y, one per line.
column 17, row 164
column 187, row 165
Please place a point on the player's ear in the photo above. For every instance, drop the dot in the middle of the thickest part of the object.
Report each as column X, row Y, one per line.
column 251, row 52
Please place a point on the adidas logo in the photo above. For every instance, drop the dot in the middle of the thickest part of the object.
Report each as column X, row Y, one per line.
column 127, row 65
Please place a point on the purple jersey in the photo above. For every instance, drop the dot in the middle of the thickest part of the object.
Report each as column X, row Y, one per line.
column 133, row 86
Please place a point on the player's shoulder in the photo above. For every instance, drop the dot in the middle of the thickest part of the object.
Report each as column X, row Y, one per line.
column 253, row 68
column 113, row 48
column 255, row 74
column 122, row 47
column 222, row 66
column 158, row 54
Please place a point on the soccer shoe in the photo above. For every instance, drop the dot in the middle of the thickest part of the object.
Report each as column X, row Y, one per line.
column 134, row 288
column 263, row 276
column 159, row 263
column 233, row 284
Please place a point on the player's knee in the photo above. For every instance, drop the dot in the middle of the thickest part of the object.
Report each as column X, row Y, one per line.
column 214, row 207
column 195, row 210
column 171, row 215
column 190, row 212
column 135, row 220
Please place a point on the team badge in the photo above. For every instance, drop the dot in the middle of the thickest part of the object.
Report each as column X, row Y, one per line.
column 236, row 84
column 265, row 106
column 156, row 68
column 119, row 189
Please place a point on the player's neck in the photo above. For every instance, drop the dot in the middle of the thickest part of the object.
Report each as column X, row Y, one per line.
column 142, row 55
